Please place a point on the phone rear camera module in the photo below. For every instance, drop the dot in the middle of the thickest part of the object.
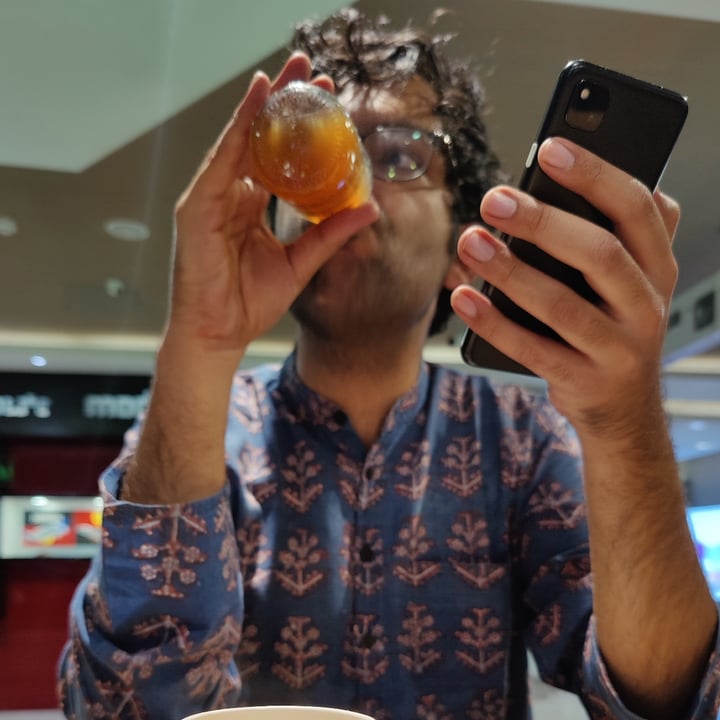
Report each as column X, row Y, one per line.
column 587, row 107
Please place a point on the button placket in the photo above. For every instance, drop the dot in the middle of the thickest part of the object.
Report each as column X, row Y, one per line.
column 369, row 559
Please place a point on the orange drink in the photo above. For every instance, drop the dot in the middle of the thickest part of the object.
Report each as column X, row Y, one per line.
column 308, row 152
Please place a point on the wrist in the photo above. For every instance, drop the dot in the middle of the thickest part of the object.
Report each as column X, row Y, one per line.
column 183, row 352
column 634, row 422
column 181, row 453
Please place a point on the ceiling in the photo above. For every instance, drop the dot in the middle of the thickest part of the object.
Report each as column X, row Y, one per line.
column 108, row 108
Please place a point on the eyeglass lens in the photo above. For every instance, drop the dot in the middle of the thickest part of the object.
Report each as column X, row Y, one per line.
column 398, row 154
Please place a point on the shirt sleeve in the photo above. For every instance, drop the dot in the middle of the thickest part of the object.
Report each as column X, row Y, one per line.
column 602, row 700
column 155, row 623
column 550, row 550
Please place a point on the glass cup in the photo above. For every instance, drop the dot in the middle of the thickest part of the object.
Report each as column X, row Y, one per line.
column 307, row 151
column 279, row 712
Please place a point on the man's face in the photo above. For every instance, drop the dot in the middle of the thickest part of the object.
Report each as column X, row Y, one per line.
column 387, row 277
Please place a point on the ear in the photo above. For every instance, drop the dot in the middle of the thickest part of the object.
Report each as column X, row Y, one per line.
column 457, row 274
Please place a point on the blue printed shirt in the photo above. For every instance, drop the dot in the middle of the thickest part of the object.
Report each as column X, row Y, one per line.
column 405, row 580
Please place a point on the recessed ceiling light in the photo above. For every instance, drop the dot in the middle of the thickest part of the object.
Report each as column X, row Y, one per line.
column 38, row 361
column 126, row 229
column 704, row 445
column 8, row 227
column 114, row 287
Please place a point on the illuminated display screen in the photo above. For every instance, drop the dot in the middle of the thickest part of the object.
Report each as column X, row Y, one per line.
column 40, row 526
column 704, row 525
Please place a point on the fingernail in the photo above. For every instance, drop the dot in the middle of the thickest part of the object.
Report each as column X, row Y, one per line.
column 557, row 155
column 464, row 305
column 477, row 246
column 500, row 205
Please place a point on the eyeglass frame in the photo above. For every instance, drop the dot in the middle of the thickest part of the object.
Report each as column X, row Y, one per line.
column 437, row 140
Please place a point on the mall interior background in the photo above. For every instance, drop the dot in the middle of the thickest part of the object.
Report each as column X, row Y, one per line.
column 106, row 110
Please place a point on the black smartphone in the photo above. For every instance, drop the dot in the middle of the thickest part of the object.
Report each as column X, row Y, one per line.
column 628, row 122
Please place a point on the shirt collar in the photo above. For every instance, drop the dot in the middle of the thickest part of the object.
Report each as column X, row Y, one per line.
column 308, row 406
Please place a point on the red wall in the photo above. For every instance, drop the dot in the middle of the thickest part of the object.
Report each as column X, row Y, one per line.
column 35, row 594
column 33, row 629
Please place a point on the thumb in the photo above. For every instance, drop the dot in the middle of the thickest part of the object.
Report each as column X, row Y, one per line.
column 320, row 242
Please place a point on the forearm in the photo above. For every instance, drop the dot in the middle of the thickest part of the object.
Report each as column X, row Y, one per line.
column 180, row 455
column 655, row 617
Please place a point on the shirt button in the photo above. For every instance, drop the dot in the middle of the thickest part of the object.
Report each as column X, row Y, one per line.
column 367, row 641
column 369, row 473
column 366, row 553
column 339, row 417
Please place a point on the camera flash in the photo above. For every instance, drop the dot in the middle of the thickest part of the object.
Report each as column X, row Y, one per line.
column 585, row 93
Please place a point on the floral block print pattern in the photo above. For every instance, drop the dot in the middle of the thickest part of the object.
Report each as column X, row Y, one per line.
column 405, row 580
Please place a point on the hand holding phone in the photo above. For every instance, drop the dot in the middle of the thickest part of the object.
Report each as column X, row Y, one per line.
column 631, row 124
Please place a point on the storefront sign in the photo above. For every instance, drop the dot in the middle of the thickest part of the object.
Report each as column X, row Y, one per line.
column 45, row 405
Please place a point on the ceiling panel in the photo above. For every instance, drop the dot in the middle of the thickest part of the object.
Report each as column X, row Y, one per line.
column 90, row 76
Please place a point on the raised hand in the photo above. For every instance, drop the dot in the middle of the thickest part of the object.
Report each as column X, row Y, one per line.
column 232, row 278
column 607, row 377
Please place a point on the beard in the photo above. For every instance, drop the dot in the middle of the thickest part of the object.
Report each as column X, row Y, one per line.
column 362, row 301
column 372, row 292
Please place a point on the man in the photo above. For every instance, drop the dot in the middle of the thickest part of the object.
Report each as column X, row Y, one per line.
column 363, row 530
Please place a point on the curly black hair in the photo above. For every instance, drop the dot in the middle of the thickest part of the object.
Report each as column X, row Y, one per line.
column 353, row 48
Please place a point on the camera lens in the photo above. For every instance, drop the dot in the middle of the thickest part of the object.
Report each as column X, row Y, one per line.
column 587, row 107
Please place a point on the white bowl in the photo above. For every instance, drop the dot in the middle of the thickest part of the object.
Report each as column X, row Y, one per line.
column 279, row 712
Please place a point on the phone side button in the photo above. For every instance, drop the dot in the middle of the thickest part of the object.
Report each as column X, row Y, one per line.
column 531, row 155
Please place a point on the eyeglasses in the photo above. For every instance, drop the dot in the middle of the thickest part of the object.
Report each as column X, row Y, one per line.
column 399, row 154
